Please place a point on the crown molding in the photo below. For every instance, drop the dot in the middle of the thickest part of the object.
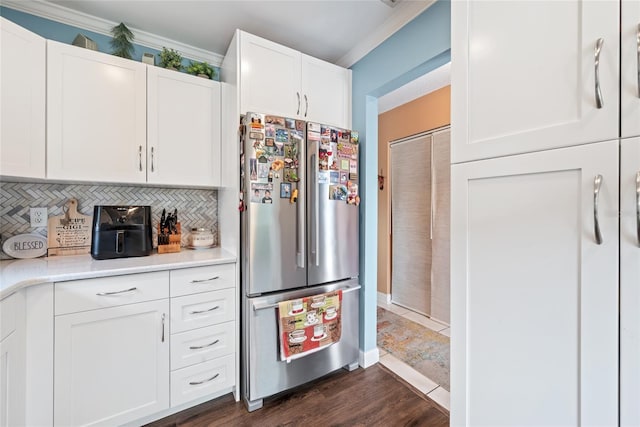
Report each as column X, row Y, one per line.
column 82, row 20
column 405, row 11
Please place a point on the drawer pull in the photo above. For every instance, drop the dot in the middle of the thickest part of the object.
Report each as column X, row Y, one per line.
column 204, row 381
column 205, row 311
column 105, row 294
column 198, row 347
column 205, row 280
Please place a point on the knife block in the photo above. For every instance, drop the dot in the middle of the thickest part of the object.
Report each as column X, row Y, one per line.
column 173, row 241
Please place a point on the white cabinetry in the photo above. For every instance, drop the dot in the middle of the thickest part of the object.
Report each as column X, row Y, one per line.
column 117, row 120
column 535, row 298
column 275, row 79
column 22, row 99
column 204, row 329
column 630, row 68
column 12, row 360
column 96, row 116
column 517, row 91
column 111, row 364
column 183, row 124
column 630, row 282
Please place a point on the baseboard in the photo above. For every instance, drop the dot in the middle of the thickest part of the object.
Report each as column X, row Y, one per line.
column 369, row 358
column 384, row 298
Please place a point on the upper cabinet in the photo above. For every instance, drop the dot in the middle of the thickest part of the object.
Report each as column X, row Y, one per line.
column 22, row 100
column 277, row 80
column 630, row 68
column 116, row 120
column 523, row 91
column 326, row 92
column 96, row 116
column 183, row 125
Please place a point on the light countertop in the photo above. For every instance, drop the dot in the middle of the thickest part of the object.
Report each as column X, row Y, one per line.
column 20, row 273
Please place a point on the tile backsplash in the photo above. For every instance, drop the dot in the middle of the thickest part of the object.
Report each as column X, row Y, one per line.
column 196, row 207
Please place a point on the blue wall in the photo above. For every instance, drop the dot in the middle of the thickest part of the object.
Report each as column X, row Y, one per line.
column 64, row 33
column 419, row 47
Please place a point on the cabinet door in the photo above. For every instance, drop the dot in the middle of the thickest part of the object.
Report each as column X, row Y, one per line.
column 520, row 86
column 22, row 98
column 630, row 72
column 630, row 282
column 269, row 77
column 112, row 364
column 184, row 129
column 96, row 116
column 12, row 361
column 534, row 297
column 326, row 93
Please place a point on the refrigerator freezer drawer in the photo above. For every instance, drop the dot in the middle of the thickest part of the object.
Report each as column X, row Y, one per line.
column 265, row 374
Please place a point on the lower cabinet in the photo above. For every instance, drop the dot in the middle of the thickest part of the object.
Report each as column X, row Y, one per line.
column 535, row 288
column 128, row 349
column 112, row 364
column 12, row 361
column 203, row 344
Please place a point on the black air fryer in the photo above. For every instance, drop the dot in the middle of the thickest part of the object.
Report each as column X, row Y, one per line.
column 121, row 231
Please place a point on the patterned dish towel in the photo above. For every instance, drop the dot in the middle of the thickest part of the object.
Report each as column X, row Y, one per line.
column 309, row 324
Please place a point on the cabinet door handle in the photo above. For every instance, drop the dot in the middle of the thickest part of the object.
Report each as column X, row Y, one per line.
column 599, row 101
column 163, row 318
column 638, row 206
column 306, row 105
column 205, row 280
column 638, row 57
column 204, row 381
column 140, row 158
column 205, row 311
column 597, row 182
column 198, row 347
column 104, row 294
column 152, row 167
column 298, row 111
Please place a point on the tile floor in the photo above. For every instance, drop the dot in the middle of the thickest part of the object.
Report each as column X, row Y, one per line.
column 406, row 372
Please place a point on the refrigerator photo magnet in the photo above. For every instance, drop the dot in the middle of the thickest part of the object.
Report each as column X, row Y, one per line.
column 338, row 192
column 261, row 193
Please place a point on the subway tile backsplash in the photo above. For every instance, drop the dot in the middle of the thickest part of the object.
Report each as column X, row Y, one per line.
column 196, row 207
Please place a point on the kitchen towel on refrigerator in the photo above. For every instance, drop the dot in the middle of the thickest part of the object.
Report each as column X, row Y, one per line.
column 309, row 324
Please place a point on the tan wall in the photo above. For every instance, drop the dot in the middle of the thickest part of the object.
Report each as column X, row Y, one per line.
column 428, row 112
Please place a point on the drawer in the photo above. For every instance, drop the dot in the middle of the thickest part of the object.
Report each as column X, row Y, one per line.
column 203, row 379
column 202, row 344
column 189, row 281
column 205, row 309
column 90, row 294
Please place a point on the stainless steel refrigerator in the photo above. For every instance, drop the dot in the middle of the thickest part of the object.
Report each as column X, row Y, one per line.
column 299, row 237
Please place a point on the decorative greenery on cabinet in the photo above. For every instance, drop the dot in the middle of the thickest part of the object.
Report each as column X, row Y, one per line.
column 170, row 58
column 201, row 69
column 122, row 41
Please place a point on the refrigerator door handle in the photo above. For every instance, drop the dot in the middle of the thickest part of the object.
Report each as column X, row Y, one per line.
column 300, row 215
column 316, row 211
column 257, row 306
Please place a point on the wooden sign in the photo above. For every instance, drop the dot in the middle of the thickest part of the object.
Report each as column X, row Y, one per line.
column 69, row 234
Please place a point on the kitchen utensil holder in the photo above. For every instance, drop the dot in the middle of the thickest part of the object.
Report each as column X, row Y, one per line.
column 173, row 240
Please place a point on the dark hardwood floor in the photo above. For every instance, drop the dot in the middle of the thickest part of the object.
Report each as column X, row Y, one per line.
column 364, row 397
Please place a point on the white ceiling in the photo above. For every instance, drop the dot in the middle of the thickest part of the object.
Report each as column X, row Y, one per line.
column 434, row 80
column 338, row 31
